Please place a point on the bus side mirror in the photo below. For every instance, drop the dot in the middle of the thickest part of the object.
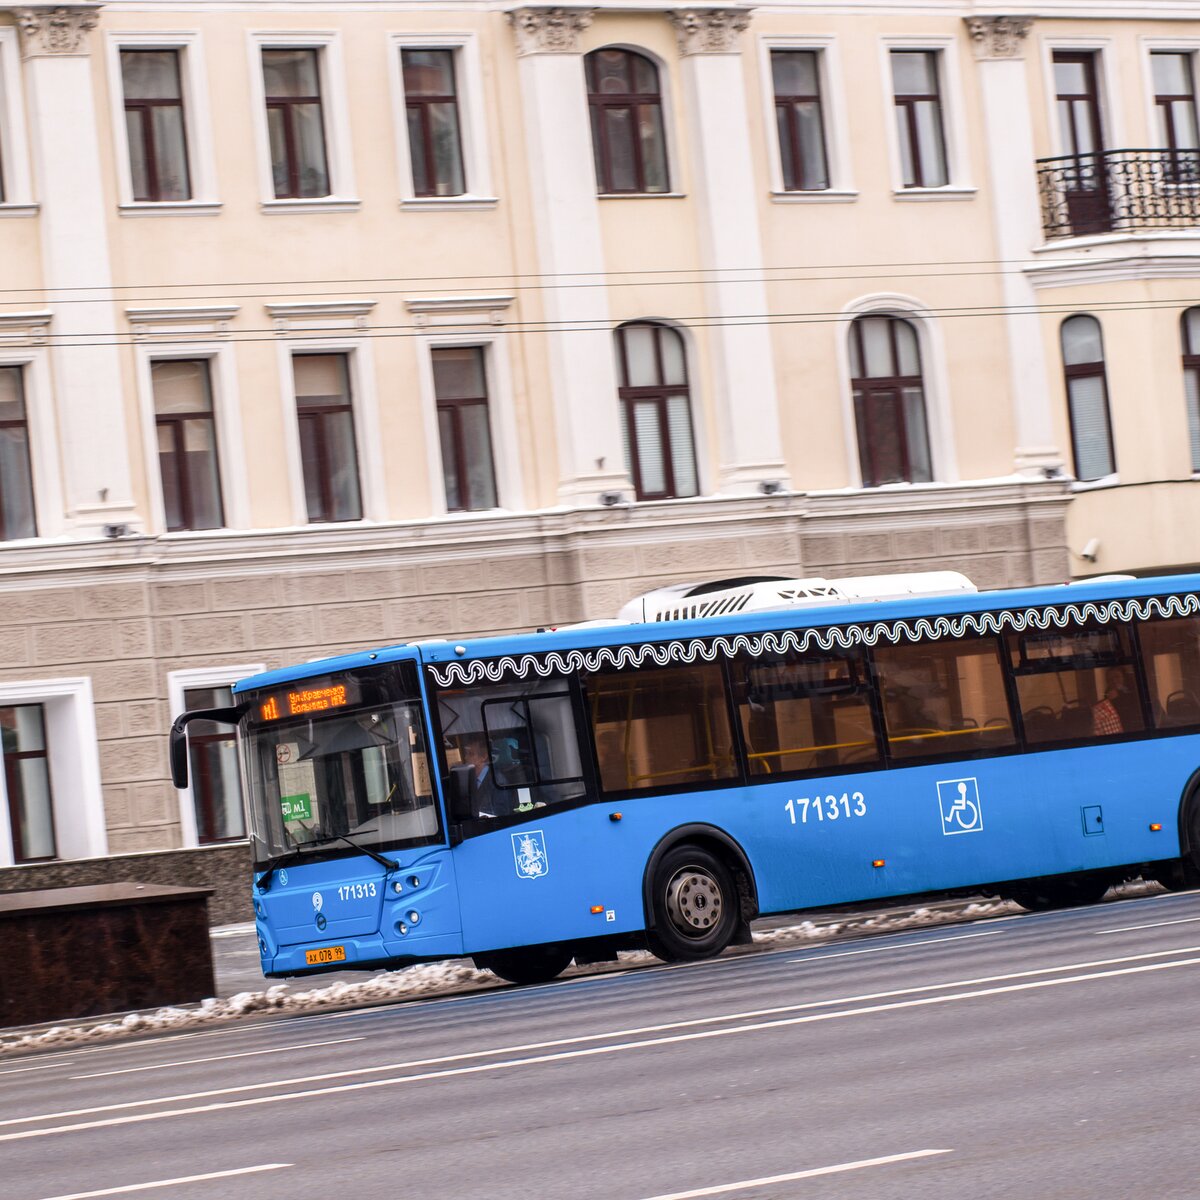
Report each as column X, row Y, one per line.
column 462, row 777
column 179, row 760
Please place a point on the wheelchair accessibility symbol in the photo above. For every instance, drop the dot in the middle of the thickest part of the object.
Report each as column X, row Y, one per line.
column 961, row 810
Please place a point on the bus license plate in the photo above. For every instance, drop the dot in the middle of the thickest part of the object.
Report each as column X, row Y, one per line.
column 326, row 954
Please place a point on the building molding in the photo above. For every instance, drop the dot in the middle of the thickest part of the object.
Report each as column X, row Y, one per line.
column 56, row 29
column 307, row 316
column 709, row 30
column 998, row 37
column 25, row 328
column 549, row 30
column 439, row 311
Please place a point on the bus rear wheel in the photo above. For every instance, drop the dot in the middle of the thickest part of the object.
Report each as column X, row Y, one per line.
column 695, row 905
column 1042, row 895
column 526, row 964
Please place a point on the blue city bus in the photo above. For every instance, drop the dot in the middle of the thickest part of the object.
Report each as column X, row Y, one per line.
column 563, row 794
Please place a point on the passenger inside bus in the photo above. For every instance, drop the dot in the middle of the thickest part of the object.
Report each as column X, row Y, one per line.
column 487, row 800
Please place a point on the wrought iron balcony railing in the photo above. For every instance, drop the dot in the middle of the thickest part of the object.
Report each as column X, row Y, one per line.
column 1119, row 191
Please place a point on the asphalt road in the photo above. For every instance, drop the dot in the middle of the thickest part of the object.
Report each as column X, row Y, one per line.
column 1038, row 1056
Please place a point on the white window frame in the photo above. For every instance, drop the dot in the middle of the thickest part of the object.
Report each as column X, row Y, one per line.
column 368, row 438
column 1111, row 118
column 335, row 116
column 935, row 380
column 43, row 438
column 231, row 458
column 1174, row 45
column 178, row 682
column 666, row 90
column 833, row 119
column 472, row 120
column 950, row 92
column 502, row 421
column 80, row 829
column 193, row 86
column 14, row 145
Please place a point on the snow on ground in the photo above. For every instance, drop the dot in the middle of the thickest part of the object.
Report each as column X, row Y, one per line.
column 443, row 978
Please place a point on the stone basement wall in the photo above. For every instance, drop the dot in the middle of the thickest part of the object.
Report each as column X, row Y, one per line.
column 128, row 612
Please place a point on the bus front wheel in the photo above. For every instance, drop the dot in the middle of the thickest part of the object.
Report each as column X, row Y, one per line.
column 526, row 964
column 695, row 905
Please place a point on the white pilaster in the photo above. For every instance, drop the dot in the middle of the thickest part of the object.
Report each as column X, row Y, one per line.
column 562, row 178
column 743, row 380
column 75, row 260
column 999, row 47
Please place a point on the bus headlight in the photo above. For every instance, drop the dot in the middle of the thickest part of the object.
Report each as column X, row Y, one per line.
column 397, row 887
column 401, row 928
column 414, row 917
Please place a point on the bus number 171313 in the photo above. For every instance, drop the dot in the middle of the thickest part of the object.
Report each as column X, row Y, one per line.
column 827, row 808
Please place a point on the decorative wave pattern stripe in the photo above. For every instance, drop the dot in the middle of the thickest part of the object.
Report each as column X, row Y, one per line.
column 782, row 641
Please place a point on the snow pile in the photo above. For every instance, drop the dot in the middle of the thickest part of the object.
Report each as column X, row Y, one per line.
column 442, row 978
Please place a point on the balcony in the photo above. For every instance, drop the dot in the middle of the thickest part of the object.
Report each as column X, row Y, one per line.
column 1119, row 191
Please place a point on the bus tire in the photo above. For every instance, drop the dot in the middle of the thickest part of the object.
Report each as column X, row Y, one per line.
column 1042, row 895
column 695, row 905
column 526, row 964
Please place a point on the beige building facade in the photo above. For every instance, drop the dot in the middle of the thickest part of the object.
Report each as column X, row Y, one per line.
column 325, row 325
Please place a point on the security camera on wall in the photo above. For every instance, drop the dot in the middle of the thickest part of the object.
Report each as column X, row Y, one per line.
column 1091, row 550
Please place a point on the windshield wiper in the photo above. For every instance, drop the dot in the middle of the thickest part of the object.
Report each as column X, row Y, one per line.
column 387, row 863
column 292, row 856
column 280, row 860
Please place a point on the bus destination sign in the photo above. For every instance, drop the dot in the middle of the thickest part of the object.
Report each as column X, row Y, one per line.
column 304, row 700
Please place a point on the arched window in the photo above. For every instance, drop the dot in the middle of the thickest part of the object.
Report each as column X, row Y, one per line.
column 1087, row 398
column 1190, row 326
column 656, row 411
column 889, row 401
column 627, row 123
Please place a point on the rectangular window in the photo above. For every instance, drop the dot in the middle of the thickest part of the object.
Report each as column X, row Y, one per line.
column 16, row 477
column 460, row 385
column 796, row 78
column 328, row 454
column 1171, row 654
column 215, row 776
column 944, row 698
column 154, row 124
column 919, row 125
column 1175, row 99
column 187, row 443
column 1076, row 684
column 434, row 133
column 27, row 782
column 295, row 123
column 1191, row 380
column 805, row 712
column 660, row 728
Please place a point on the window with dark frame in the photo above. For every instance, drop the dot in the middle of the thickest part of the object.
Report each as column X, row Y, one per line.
column 464, row 427
column 295, row 123
column 1170, row 652
column 1190, row 331
column 656, row 411
column 328, row 452
column 187, row 444
column 889, row 401
column 154, row 125
column 1087, row 397
column 214, row 771
column 27, row 782
column 628, row 137
column 1175, row 103
column 434, row 133
column 796, row 78
column 16, row 477
column 919, row 123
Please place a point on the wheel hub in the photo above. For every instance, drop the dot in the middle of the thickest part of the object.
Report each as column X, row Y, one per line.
column 694, row 902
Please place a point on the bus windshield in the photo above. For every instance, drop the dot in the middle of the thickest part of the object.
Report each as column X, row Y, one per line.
column 333, row 759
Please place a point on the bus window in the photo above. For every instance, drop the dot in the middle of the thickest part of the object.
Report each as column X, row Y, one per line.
column 660, row 727
column 804, row 712
column 1171, row 652
column 1075, row 684
column 944, row 698
column 520, row 742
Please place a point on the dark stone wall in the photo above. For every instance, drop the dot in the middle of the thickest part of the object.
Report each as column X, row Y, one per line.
column 225, row 869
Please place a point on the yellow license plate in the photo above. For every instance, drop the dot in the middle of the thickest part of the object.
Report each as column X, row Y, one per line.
column 326, row 954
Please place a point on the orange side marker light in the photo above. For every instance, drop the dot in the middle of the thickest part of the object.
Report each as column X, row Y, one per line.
column 1155, row 827
column 877, row 862
column 596, row 908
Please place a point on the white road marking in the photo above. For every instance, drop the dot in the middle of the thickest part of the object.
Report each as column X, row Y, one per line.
column 1152, row 925
column 47, row 1067
column 837, row 1169
column 580, row 1039
column 962, row 937
column 187, row 1062
column 125, row 1189
column 536, row 1060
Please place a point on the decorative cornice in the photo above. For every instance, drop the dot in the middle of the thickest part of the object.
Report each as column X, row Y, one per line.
column 24, row 328
column 458, row 310
column 709, row 30
column 305, row 315
column 998, row 37
column 549, row 30
column 58, row 30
